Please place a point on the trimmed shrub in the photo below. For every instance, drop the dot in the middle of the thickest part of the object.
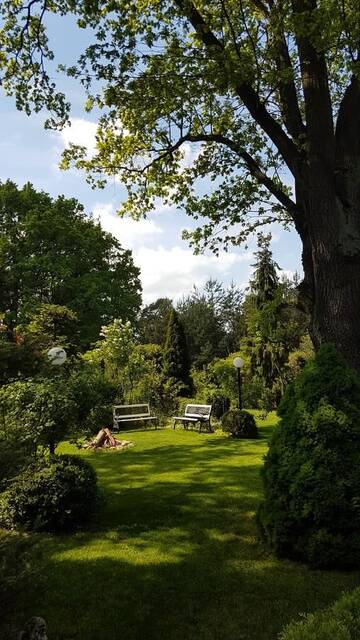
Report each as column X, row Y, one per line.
column 50, row 496
column 241, row 424
column 220, row 405
column 311, row 474
column 339, row 622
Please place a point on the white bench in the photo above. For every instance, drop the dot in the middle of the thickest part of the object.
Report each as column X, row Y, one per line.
column 195, row 413
column 124, row 413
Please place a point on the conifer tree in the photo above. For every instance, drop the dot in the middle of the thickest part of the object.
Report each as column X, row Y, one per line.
column 266, row 280
column 176, row 361
column 269, row 349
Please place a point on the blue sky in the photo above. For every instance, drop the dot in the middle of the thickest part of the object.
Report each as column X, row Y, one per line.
column 168, row 266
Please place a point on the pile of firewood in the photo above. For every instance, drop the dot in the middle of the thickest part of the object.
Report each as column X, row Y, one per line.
column 106, row 440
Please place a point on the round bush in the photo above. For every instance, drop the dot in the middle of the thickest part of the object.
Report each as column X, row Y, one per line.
column 311, row 474
column 220, row 405
column 54, row 496
column 241, row 424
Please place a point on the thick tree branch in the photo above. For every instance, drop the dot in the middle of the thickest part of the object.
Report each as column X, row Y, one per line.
column 287, row 92
column 348, row 121
column 245, row 91
column 318, row 109
column 252, row 165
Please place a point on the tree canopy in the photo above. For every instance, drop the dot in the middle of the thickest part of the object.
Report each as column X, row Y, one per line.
column 52, row 253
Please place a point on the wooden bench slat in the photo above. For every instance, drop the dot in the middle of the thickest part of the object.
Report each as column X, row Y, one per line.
column 195, row 413
column 134, row 413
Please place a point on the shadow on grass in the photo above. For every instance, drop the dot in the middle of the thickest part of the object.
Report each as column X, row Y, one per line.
column 174, row 553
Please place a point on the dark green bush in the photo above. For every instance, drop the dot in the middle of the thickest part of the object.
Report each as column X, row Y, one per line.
column 241, row 424
column 94, row 397
column 220, row 405
column 339, row 622
column 311, row 474
column 50, row 496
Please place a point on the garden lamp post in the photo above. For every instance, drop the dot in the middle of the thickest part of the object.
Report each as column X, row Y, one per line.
column 56, row 357
column 238, row 364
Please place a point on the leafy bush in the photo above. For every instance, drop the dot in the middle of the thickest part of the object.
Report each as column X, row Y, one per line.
column 311, row 475
column 241, row 424
column 220, row 405
column 45, row 409
column 339, row 622
column 16, row 451
column 50, row 496
column 94, row 397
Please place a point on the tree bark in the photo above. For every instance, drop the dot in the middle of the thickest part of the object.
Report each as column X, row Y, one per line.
column 330, row 231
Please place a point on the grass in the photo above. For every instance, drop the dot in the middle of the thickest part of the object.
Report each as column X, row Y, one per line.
column 174, row 553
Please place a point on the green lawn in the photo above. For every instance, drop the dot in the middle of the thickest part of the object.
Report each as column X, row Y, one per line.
column 174, row 553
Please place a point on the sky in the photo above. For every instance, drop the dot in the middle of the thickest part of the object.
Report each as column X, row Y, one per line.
column 29, row 153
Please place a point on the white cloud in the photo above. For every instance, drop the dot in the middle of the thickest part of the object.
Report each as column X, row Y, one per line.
column 190, row 153
column 172, row 271
column 131, row 233
column 81, row 132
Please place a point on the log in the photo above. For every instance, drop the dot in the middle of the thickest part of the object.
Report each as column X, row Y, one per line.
column 106, row 440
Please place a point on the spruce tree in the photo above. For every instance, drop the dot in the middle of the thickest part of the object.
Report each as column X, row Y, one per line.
column 176, row 361
column 266, row 280
column 268, row 351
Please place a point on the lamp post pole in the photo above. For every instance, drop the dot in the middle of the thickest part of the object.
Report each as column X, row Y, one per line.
column 239, row 388
column 56, row 357
column 238, row 364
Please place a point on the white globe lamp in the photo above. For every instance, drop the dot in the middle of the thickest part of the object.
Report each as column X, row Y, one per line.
column 57, row 356
column 238, row 364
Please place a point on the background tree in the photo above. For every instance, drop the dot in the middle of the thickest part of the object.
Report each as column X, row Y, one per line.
column 264, row 88
column 212, row 319
column 274, row 324
column 176, row 362
column 52, row 253
column 50, row 325
column 153, row 321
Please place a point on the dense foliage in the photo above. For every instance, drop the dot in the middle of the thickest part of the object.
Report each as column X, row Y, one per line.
column 43, row 409
column 176, row 361
column 341, row 621
column 54, row 254
column 212, row 319
column 50, row 325
column 153, row 321
column 220, row 404
column 93, row 395
column 50, row 496
column 311, row 476
column 240, row 424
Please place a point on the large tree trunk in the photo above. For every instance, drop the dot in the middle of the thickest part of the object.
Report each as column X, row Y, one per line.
column 330, row 232
column 335, row 314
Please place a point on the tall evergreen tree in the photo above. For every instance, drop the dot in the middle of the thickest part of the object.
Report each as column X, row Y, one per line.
column 176, row 362
column 153, row 321
column 270, row 332
column 265, row 280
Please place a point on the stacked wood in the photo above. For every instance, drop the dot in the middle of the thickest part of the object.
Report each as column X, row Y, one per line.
column 106, row 440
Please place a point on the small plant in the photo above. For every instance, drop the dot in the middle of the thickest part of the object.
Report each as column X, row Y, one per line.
column 240, row 424
column 50, row 496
